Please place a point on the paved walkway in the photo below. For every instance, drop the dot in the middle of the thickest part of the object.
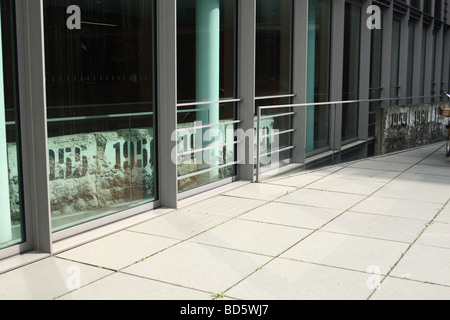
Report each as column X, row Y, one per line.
column 372, row 229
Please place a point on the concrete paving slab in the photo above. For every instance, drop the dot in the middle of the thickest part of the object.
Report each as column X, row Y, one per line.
column 180, row 226
column 283, row 279
column 381, row 165
column 347, row 251
column 437, row 159
column 325, row 171
column 260, row 191
column 331, row 237
column 323, row 199
column 410, row 156
column 251, row 236
column 366, row 174
column 444, row 215
column 120, row 286
column 436, row 234
column 223, row 206
column 427, row 169
column 338, row 184
column 404, row 157
column 377, row 226
column 297, row 181
column 47, row 279
column 412, row 186
column 118, row 250
column 199, row 266
column 402, row 289
column 292, row 215
column 426, row 264
column 399, row 208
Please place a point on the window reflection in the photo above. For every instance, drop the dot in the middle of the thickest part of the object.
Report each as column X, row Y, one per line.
column 318, row 77
column 350, row 86
column 100, row 108
column 274, row 32
column 12, row 227
column 206, row 72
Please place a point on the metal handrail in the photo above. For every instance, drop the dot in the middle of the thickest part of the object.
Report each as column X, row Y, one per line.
column 303, row 105
column 200, row 103
column 289, row 95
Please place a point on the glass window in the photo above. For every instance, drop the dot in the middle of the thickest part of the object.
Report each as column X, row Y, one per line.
column 274, row 22
column 395, row 62
column 273, row 47
column 375, row 76
column 410, row 69
column 206, row 45
column 350, row 83
column 100, row 108
column 433, row 63
column 319, row 41
column 423, row 63
column 11, row 214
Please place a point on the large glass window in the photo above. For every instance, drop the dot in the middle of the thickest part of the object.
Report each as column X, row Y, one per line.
column 423, row 60
column 11, row 213
column 395, row 62
column 273, row 47
column 411, row 55
column 100, row 108
column 206, row 45
column 433, row 63
column 274, row 21
column 375, row 76
column 350, row 85
column 319, row 41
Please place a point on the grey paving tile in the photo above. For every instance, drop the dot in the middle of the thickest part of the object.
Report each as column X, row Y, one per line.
column 180, row 225
column 299, row 180
column 438, row 159
column 346, row 251
column 323, row 199
column 428, row 169
column 381, row 165
column 283, row 279
column 325, row 171
column 120, row 286
column 118, row 250
column 292, row 215
column 251, row 236
column 436, row 234
column 340, row 184
column 199, row 266
column 402, row 158
column 444, row 215
column 47, row 279
column 412, row 156
column 412, row 186
column 224, row 205
column 402, row 289
column 366, row 174
column 377, row 226
column 260, row 191
column 399, row 207
column 426, row 264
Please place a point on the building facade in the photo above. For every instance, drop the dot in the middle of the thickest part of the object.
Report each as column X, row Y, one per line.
column 112, row 108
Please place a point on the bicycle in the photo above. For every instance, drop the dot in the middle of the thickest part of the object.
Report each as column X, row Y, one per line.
column 445, row 112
